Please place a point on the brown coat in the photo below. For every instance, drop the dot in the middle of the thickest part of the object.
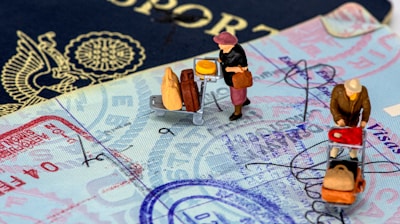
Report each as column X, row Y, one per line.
column 342, row 108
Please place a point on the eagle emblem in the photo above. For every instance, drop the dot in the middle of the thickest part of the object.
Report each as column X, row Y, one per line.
column 38, row 71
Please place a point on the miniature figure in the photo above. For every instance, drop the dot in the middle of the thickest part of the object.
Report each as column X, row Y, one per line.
column 233, row 60
column 347, row 101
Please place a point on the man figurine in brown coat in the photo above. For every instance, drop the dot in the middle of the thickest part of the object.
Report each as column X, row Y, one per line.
column 347, row 101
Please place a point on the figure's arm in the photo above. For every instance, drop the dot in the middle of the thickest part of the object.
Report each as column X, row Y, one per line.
column 334, row 108
column 366, row 105
column 236, row 69
column 240, row 61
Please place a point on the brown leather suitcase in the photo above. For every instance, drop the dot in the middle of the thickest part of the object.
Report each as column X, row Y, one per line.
column 190, row 91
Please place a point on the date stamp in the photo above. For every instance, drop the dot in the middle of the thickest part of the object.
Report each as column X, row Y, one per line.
column 208, row 201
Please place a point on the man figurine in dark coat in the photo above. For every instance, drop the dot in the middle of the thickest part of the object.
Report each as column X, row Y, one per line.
column 233, row 60
column 347, row 101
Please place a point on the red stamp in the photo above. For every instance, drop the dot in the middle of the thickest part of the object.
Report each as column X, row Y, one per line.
column 37, row 132
column 14, row 182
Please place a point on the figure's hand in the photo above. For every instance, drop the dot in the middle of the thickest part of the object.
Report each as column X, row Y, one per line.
column 363, row 124
column 235, row 69
column 341, row 123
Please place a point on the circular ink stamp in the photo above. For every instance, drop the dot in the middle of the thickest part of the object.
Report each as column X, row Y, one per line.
column 208, row 201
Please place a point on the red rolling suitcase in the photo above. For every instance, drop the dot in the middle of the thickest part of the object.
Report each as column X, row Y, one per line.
column 190, row 91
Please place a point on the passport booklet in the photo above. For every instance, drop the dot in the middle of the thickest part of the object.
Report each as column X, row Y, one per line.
column 103, row 154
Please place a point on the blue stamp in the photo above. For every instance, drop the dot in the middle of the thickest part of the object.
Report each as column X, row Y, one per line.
column 208, row 201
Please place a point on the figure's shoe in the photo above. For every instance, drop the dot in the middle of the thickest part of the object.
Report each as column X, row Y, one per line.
column 354, row 159
column 247, row 102
column 235, row 117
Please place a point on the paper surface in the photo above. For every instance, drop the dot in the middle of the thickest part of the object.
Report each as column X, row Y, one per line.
column 96, row 155
column 393, row 110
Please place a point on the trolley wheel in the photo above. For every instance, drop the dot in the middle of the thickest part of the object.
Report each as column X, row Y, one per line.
column 160, row 113
column 198, row 119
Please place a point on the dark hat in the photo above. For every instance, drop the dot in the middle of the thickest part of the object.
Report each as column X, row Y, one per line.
column 225, row 38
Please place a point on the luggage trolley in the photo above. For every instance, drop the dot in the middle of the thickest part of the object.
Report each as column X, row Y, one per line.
column 156, row 103
column 346, row 138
